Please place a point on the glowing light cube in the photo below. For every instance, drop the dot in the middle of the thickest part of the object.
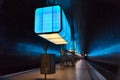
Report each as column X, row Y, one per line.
column 51, row 24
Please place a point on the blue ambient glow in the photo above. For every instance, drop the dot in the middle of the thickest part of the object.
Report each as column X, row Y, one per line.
column 70, row 45
column 115, row 48
column 53, row 51
column 74, row 45
column 76, row 39
column 107, row 42
column 30, row 48
column 78, row 47
column 35, row 50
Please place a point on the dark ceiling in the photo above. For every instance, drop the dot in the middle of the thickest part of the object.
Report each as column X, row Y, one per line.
column 97, row 21
column 93, row 18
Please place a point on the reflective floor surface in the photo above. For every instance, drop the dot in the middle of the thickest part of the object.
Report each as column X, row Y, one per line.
column 82, row 71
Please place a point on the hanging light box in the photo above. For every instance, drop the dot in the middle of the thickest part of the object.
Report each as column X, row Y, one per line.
column 51, row 24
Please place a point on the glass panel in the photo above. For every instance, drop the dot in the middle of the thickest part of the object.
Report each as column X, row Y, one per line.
column 47, row 19
column 56, row 19
column 38, row 20
column 65, row 33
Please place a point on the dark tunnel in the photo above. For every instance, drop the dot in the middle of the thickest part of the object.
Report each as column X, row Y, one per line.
column 95, row 31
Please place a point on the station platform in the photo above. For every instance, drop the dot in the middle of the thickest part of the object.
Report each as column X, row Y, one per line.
column 82, row 71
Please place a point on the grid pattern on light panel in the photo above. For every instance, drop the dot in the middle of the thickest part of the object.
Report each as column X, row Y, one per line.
column 54, row 38
column 48, row 18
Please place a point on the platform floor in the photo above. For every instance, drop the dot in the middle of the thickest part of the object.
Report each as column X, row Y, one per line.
column 82, row 71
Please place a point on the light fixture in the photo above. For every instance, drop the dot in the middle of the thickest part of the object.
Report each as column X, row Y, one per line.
column 51, row 24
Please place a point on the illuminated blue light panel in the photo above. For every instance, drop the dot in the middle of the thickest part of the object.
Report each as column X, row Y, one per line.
column 51, row 24
column 77, row 46
column 70, row 46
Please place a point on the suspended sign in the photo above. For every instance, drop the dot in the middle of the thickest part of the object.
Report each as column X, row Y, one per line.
column 51, row 24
